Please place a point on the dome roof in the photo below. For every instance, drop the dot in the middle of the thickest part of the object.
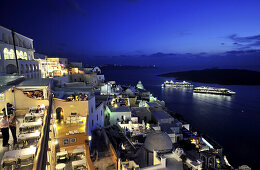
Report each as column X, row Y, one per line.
column 158, row 140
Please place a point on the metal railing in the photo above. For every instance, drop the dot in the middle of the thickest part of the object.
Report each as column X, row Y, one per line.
column 40, row 161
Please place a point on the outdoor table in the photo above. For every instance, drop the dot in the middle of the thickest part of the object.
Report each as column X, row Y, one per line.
column 32, row 116
column 30, row 124
column 62, row 153
column 16, row 154
column 33, row 109
column 28, row 136
column 60, row 166
column 78, row 163
column 78, row 151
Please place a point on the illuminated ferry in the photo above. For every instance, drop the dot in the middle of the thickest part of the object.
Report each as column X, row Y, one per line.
column 213, row 90
column 176, row 84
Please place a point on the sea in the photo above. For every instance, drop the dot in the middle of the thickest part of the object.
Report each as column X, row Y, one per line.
column 232, row 121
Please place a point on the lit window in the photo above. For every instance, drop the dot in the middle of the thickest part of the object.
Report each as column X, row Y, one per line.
column 6, row 54
column 11, row 54
column 25, row 56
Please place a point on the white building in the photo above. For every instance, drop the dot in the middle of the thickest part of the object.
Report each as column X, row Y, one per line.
column 51, row 67
column 118, row 113
column 88, row 107
column 23, row 47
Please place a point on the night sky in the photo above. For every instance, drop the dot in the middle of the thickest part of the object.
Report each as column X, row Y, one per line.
column 141, row 32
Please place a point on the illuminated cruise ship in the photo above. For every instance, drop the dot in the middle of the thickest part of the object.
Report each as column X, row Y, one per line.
column 213, row 90
column 176, row 84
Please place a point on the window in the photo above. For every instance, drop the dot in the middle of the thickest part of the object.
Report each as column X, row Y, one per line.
column 6, row 54
column 101, row 113
column 4, row 38
column 25, row 55
column 11, row 54
column 92, row 122
column 97, row 117
column 91, row 109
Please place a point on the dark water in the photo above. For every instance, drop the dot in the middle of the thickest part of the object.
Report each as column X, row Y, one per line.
column 233, row 121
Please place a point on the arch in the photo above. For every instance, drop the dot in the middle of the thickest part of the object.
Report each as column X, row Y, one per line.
column 22, row 69
column 211, row 162
column 59, row 114
column 20, row 42
column 6, row 54
column 10, row 69
column 34, row 68
column 24, row 44
column 4, row 38
column 31, row 68
column 25, row 56
column 26, row 68
column 11, row 54
column 16, row 40
column 10, row 39
column 19, row 54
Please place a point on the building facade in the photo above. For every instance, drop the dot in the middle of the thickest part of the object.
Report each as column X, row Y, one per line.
column 52, row 67
column 23, row 47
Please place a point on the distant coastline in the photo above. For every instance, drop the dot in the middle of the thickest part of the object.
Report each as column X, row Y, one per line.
column 218, row 76
column 125, row 67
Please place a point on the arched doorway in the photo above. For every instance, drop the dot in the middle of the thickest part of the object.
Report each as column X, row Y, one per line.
column 204, row 163
column 10, row 69
column 26, row 68
column 211, row 163
column 22, row 69
column 59, row 114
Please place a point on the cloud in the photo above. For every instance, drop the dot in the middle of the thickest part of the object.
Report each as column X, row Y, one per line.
column 246, row 42
column 66, row 7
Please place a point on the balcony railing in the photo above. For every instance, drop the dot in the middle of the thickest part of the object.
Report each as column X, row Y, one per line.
column 40, row 161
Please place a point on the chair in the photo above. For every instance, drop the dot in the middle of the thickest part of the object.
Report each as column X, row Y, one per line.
column 73, row 120
column 25, row 161
column 9, row 163
column 20, row 144
column 80, row 167
column 30, row 142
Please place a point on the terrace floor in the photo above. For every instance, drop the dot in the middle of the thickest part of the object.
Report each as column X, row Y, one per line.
column 11, row 147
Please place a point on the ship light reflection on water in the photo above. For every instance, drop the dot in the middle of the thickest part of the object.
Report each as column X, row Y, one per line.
column 212, row 96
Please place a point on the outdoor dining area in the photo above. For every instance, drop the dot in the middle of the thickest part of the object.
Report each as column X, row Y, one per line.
column 16, row 159
column 21, row 154
column 71, row 159
column 77, row 97
column 37, row 94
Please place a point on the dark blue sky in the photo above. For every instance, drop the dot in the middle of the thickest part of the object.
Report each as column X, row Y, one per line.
column 82, row 29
